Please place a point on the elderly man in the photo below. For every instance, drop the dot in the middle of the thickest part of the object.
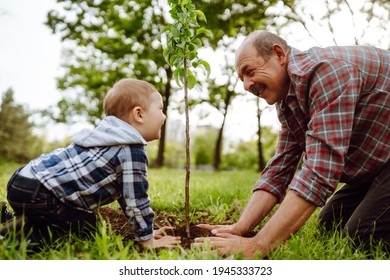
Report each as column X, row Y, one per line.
column 334, row 107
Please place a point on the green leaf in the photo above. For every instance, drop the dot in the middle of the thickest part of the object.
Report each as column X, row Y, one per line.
column 183, row 3
column 203, row 30
column 166, row 54
column 172, row 59
column 191, row 79
column 197, row 42
column 166, row 28
column 191, row 47
column 192, row 55
column 206, row 66
column 176, row 75
column 179, row 51
column 187, row 33
column 201, row 14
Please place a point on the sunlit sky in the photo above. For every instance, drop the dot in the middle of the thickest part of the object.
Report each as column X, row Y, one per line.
column 30, row 58
column 29, row 53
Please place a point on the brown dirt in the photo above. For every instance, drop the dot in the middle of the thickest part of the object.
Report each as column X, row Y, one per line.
column 119, row 225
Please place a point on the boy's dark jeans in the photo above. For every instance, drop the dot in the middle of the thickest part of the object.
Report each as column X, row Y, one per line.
column 48, row 217
column 361, row 210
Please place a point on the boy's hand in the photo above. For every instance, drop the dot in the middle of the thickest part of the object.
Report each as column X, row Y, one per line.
column 161, row 239
column 166, row 241
column 158, row 233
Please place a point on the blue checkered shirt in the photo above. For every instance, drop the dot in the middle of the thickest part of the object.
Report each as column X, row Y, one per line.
column 86, row 178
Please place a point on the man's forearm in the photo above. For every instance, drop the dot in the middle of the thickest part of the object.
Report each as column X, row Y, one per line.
column 260, row 204
column 292, row 213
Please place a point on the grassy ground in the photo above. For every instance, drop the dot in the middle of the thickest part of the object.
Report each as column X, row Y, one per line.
column 221, row 195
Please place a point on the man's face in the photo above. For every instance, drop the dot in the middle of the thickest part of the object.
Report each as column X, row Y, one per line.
column 268, row 80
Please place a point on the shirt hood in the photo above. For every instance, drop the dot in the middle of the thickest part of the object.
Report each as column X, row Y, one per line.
column 110, row 132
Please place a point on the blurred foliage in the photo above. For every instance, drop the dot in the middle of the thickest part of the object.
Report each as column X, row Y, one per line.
column 109, row 39
column 17, row 141
column 105, row 41
column 236, row 156
column 364, row 22
column 202, row 148
column 243, row 155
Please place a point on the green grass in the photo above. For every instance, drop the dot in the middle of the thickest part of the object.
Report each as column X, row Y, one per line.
column 222, row 195
column 6, row 171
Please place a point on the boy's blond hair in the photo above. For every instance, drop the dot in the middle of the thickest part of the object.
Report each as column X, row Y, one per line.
column 125, row 95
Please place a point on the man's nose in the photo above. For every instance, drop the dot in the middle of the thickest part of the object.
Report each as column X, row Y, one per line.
column 248, row 83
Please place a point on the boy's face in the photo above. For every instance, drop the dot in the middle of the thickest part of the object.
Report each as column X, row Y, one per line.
column 153, row 118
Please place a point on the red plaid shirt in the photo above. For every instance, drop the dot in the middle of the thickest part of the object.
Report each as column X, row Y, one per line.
column 337, row 113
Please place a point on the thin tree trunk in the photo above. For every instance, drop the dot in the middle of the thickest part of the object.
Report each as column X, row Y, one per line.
column 188, row 161
column 261, row 162
column 218, row 144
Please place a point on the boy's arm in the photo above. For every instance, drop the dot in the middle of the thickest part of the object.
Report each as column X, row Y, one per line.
column 136, row 202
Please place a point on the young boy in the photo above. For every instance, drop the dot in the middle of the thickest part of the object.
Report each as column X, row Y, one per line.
column 63, row 190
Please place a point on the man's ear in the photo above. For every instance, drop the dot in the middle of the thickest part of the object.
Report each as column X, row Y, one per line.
column 137, row 114
column 280, row 53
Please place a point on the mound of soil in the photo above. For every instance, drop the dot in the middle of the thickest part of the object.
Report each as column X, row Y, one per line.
column 194, row 233
column 119, row 225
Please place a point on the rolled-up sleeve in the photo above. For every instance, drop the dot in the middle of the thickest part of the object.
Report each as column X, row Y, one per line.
column 279, row 171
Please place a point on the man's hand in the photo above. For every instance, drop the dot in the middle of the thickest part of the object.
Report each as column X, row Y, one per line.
column 290, row 216
column 225, row 244
column 215, row 229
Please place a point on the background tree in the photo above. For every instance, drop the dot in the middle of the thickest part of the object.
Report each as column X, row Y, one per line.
column 219, row 96
column 17, row 140
column 203, row 155
column 260, row 159
column 335, row 22
column 229, row 20
column 243, row 155
column 110, row 39
column 104, row 41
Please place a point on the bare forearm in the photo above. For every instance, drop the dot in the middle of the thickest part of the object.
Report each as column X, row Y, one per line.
column 260, row 204
column 292, row 213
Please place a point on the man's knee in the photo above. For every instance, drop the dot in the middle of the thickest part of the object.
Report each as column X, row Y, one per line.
column 327, row 218
column 366, row 234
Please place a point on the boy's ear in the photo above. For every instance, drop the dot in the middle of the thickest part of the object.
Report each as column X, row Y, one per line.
column 136, row 114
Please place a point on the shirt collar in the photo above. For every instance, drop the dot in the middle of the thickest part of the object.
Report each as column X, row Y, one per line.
column 291, row 94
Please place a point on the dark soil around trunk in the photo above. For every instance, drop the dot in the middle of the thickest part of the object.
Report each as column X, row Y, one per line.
column 119, row 225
